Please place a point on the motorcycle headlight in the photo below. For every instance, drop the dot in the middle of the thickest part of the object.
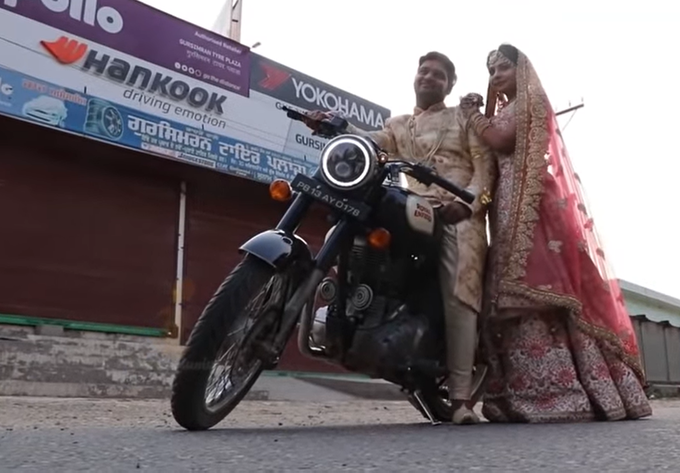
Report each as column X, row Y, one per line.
column 348, row 161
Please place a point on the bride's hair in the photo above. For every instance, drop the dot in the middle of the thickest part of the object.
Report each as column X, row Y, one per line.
column 508, row 51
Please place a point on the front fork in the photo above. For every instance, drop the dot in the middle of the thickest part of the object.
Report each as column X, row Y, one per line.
column 292, row 219
column 320, row 266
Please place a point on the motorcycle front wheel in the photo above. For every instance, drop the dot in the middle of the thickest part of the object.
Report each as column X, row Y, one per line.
column 219, row 364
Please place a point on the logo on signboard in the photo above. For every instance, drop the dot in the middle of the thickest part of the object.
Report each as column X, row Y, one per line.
column 64, row 50
column 274, row 78
column 308, row 93
column 5, row 88
column 324, row 99
column 69, row 51
column 86, row 11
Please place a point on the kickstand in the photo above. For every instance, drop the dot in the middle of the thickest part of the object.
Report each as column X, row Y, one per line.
column 426, row 409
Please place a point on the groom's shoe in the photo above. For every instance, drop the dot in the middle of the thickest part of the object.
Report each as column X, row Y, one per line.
column 463, row 415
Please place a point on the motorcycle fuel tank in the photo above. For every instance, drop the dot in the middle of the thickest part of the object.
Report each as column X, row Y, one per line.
column 409, row 218
column 420, row 215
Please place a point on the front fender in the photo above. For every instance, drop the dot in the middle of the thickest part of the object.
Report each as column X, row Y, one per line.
column 278, row 248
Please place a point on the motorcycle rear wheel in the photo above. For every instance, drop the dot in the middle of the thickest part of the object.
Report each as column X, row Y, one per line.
column 190, row 401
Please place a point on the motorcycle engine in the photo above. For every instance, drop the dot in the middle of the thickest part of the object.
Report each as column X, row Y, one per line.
column 369, row 286
column 386, row 334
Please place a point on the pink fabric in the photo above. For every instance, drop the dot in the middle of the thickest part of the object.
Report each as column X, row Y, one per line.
column 559, row 340
column 579, row 269
column 550, row 252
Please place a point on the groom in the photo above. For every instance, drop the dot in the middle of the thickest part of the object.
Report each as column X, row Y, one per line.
column 441, row 136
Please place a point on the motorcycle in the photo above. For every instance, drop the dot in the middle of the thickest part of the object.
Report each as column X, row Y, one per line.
column 375, row 276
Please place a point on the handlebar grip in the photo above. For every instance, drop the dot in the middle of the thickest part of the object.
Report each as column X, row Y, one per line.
column 467, row 196
column 293, row 114
column 323, row 128
column 427, row 176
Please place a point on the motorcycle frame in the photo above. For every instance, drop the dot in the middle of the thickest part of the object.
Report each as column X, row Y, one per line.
column 282, row 248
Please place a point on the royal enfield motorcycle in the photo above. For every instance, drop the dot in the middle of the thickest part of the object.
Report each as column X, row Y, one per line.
column 368, row 301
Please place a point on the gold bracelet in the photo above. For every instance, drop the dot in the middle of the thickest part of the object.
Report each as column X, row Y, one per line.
column 485, row 198
column 480, row 123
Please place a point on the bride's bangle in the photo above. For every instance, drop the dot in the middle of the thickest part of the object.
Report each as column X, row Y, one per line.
column 479, row 123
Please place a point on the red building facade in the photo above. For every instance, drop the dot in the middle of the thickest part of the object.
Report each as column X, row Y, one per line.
column 91, row 233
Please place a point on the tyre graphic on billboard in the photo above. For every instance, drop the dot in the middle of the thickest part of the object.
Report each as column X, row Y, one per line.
column 103, row 119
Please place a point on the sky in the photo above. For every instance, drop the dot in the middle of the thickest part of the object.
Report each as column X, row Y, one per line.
column 619, row 58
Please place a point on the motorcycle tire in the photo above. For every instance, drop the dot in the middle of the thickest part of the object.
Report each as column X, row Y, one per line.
column 188, row 402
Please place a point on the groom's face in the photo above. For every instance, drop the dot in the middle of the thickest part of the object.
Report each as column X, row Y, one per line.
column 432, row 82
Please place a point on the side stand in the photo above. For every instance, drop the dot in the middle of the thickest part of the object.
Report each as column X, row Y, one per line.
column 417, row 400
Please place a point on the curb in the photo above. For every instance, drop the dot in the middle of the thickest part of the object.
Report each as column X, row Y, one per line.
column 270, row 387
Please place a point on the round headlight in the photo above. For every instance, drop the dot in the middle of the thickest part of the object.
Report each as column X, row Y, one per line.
column 348, row 161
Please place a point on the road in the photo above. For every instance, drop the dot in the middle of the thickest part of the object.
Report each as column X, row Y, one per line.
column 39, row 434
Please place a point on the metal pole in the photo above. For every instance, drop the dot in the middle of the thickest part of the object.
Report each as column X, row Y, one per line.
column 222, row 25
column 570, row 109
column 179, row 276
column 236, row 12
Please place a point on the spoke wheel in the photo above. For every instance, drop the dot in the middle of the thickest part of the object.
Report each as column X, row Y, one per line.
column 220, row 363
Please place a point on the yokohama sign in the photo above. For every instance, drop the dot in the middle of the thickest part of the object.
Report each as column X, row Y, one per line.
column 301, row 90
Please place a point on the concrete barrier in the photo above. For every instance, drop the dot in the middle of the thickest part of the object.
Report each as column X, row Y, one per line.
column 52, row 362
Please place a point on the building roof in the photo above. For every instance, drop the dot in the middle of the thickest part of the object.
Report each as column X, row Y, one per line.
column 629, row 287
column 657, row 307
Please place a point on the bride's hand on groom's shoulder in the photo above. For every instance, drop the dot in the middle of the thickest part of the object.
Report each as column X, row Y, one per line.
column 471, row 103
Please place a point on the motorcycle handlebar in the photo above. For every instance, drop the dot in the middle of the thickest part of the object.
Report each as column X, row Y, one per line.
column 423, row 174
column 467, row 196
column 294, row 114
column 323, row 128
column 428, row 177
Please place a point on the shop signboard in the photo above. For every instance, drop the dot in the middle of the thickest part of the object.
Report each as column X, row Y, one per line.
column 91, row 67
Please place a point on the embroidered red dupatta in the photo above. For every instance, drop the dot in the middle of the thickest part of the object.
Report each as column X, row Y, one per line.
column 552, row 255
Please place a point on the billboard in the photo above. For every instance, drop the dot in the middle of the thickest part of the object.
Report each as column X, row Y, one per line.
column 92, row 67
column 274, row 83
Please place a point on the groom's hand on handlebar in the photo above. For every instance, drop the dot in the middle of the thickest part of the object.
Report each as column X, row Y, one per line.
column 316, row 116
column 454, row 212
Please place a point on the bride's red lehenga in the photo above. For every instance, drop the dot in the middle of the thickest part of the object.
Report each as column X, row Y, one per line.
column 559, row 338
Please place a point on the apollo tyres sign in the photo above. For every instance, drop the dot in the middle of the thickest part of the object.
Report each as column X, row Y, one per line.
column 185, row 93
column 87, row 11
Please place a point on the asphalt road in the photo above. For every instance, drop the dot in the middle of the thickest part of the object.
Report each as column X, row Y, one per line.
column 108, row 435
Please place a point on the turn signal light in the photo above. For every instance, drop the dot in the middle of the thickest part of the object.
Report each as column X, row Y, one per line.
column 280, row 190
column 379, row 239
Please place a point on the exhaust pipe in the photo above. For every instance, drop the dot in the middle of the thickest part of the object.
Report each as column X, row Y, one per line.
column 305, row 332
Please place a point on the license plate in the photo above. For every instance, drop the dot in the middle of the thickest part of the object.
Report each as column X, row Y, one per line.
column 323, row 194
